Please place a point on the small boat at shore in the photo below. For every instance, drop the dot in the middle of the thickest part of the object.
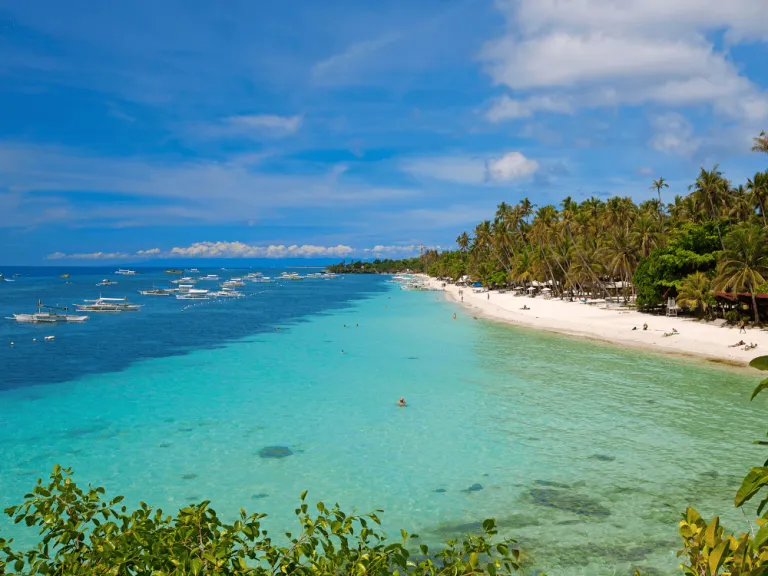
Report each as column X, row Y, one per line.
column 290, row 276
column 107, row 282
column 123, row 272
column 174, row 271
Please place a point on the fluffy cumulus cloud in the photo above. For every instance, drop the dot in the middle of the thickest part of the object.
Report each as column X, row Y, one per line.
column 472, row 170
column 511, row 166
column 242, row 250
column 217, row 250
column 558, row 55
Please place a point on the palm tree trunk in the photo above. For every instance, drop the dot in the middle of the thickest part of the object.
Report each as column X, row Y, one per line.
column 754, row 304
column 717, row 221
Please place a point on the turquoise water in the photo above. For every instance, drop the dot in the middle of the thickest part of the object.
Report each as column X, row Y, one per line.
column 585, row 453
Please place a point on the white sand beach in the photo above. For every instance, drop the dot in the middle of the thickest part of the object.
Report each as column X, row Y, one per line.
column 708, row 340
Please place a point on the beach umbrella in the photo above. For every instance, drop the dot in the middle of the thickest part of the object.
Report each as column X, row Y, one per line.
column 547, row 290
column 531, row 289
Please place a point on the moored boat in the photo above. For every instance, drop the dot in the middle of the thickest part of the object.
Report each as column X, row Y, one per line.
column 48, row 315
column 193, row 294
column 108, row 305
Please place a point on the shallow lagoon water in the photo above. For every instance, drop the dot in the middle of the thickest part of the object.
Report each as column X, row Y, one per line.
column 585, row 453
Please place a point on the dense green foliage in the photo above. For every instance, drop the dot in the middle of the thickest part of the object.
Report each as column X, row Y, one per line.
column 616, row 247
column 375, row 267
column 82, row 533
column 691, row 248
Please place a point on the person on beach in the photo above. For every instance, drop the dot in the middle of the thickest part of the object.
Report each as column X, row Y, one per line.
column 489, row 295
column 739, row 343
column 645, row 326
column 401, row 402
column 742, row 330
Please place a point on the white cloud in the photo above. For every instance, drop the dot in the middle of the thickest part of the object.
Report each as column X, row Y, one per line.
column 505, row 108
column 92, row 256
column 242, row 250
column 233, row 190
column 611, row 52
column 511, row 166
column 255, row 126
column 472, row 170
column 341, row 67
column 396, row 251
column 460, row 169
column 674, row 135
column 265, row 123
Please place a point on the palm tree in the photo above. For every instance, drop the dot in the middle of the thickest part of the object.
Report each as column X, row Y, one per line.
column 658, row 185
column 695, row 293
column 646, row 234
column 758, row 191
column 745, row 262
column 712, row 189
column 761, row 143
column 463, row 242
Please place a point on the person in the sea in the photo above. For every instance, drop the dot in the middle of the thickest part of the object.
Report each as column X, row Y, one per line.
column 401, row 402
column 454, row 315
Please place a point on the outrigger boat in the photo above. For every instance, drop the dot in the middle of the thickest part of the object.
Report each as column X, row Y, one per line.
column 48, row 315
column 162, row 291
column 108, row 305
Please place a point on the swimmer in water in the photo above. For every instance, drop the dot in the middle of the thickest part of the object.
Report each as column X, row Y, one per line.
column 401, row 402
column 454, row 315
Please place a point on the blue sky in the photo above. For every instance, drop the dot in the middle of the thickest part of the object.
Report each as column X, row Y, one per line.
column 142, row 130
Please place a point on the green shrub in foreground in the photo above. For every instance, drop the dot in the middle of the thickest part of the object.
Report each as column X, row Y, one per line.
column 81, row 533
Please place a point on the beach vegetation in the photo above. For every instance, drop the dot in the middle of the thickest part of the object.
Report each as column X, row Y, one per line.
column 617, row 249
column 82, row 532
column 695, row 293
column 744, row 263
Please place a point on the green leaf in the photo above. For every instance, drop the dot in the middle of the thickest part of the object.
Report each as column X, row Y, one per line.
column 760, row 387
column 711, row 532
column 473, row 559
column 761, row 363
column 716, row 556
column 760, row 538
column 756, row 479
column 491, row 569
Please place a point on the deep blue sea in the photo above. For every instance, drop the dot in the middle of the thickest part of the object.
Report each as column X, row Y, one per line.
column 585, row 453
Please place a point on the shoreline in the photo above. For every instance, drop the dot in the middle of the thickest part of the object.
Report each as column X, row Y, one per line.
column 694, row 340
